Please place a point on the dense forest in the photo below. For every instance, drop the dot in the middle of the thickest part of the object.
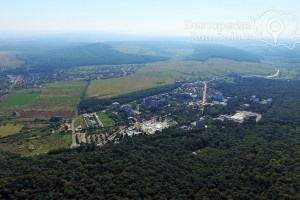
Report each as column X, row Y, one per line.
column 204, row 52
column 91, row 54
column 280, row 54
column 285, row 94
column 224, row 161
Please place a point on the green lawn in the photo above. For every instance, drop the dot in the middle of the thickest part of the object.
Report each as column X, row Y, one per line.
column 105, row 120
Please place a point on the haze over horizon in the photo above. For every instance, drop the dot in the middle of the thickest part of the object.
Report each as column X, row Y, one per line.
column 155, row 18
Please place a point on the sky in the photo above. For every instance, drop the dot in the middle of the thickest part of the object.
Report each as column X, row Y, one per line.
column 137, row 17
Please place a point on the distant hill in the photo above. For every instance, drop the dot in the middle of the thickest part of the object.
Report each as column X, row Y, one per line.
column 206, row 51
column 91, row 54
column 280, row 53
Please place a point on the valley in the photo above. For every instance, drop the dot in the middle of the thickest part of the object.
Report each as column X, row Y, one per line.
column 149, row 100
column 35, row 95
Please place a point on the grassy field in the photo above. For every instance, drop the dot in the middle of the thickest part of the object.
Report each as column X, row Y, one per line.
column 216, row 67
column 32, row 125
column 9, row 59
column 9, row 129
column 102, row 116
column 60, row 98
column 19, row 99
column 80, row 122
column 63, row 89
column 178, row 54
column 113, row 87
column 135, row 50
column 173, row 53
column 167, row 72
column 105, row 120
column 37, row 145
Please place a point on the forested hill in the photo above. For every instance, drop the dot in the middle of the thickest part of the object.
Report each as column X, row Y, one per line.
column 207, row 51
column 91, row 54
column 230, row 161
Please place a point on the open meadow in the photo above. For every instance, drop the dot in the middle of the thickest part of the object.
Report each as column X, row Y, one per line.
column 117, row 86
column 37, row 144
column 19, row 98
column 9, row 129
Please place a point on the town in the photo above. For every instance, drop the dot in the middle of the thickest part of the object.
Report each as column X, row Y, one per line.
column 186, row 107
column 19, row 79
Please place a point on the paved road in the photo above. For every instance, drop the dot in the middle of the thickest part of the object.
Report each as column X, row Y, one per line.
column 16, row 81
column 99, row 121
column 262, row 76
column 274, row 75
column 74, row 144
column 204, row 92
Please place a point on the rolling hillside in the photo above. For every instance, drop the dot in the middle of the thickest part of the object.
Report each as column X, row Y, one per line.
column 206, row 51
column 91, row 54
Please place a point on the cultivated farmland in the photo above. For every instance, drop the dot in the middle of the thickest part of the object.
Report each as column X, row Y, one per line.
column 167, row 72
column 59, row 98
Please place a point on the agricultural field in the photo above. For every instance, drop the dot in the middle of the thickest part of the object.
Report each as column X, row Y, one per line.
column 117, row 86
column 63, row 89
column 9, row 129
column 216, row 67
column 167, row 72
column 33, row 139
column 19, row 99
column 60, row 98
column 9, row 59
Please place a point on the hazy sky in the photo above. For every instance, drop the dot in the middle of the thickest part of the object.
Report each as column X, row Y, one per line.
column 151, row 17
